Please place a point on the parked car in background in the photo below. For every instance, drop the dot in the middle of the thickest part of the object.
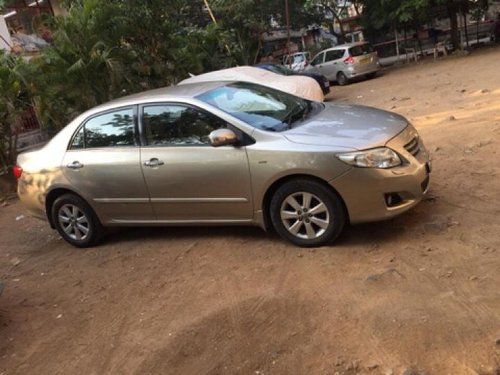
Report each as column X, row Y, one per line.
column 225, row 153
column 345, row 62
column 297, row 61
column 283, row 70
column 302, row 86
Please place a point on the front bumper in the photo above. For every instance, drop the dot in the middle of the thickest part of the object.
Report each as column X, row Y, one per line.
column 377, row 194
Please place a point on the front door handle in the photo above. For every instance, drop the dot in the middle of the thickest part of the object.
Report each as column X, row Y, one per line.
column 75, row 165
column 153, row 162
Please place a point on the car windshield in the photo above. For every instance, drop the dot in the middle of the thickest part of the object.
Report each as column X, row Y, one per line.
column 261, row 107
column 280, row 69
column 362, row 49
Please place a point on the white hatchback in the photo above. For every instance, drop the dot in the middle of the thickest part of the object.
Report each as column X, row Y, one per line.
column 297, row 61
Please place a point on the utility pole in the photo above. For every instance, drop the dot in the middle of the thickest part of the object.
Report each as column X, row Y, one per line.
column 287, row 14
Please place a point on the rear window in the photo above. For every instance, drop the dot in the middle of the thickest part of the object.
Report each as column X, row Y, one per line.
column 298, row 59
column 360, row 50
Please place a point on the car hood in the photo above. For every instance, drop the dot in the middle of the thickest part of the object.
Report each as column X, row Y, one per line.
column 348, row 126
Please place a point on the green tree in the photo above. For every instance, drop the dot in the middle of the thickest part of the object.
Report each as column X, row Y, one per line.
column 380, row 15
column 14, row 100
column 103, row 50
column 83, row 67
column 326, row 11
column 245, row 21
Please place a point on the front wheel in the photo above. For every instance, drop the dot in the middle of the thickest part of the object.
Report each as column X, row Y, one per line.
column 307, row 213
column 76, row 222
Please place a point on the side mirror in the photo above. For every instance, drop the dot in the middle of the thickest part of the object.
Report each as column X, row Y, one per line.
column 222, row 137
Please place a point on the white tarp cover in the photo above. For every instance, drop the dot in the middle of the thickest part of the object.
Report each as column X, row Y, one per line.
column 302, row 86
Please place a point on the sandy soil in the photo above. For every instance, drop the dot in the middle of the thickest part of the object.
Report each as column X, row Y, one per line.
column 418, row 294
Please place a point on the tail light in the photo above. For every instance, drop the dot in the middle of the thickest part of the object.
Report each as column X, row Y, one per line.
column 306, row 64
column 17, row 171
column 349, row 60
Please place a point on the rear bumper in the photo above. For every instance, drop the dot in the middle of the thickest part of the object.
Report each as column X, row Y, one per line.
column 361, row 70
column 32, row 196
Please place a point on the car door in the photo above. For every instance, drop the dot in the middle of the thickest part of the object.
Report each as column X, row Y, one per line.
column 103, row 165
column 317, row 62
column 331, row 66
column 188, row 179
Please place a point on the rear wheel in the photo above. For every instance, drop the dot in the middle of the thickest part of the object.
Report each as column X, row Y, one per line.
column 342, row 79
column 307, row 213
column 75, row 221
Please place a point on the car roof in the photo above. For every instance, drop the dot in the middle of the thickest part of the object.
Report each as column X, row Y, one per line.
column 344, row 46
column 189, row 90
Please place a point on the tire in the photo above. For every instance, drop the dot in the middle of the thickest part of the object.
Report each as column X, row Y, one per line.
column 371, row 75
column 342, row 79
column 76, row 222
column 291, row 212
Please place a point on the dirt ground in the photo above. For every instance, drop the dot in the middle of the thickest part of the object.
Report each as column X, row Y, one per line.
column 418, row 294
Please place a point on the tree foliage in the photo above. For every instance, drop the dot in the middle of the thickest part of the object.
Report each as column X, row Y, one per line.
column 325, row 11
column 14, row 100
column 102, row 50
column 383, row 15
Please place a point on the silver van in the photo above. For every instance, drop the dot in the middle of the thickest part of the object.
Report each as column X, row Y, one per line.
column 345, row 62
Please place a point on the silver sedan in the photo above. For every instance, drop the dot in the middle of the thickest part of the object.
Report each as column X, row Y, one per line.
column 225, row 153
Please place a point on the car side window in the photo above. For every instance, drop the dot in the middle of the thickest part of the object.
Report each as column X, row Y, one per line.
column 177, row 125
column 334, row 55
column 112, row 129
column 78, row 141
column 318, row 59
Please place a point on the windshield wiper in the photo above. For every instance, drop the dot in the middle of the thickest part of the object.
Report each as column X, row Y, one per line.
column 294, row 114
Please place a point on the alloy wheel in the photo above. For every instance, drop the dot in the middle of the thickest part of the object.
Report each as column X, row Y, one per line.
column 304, row 215
column 74, row 222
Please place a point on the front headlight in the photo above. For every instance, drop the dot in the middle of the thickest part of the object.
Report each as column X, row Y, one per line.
column 381, row 157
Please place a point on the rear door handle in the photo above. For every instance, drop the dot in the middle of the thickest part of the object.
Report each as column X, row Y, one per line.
column 153, row 162
column 75, row 165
